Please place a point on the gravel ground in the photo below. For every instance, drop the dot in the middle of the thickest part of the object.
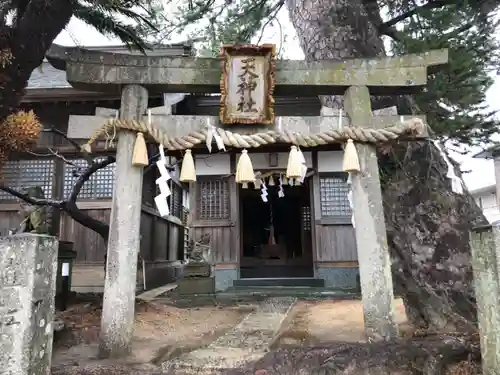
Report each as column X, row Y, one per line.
column 318, row 322
column 158, row 329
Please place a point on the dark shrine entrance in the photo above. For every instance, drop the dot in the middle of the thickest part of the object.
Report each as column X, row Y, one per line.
column 276, row 235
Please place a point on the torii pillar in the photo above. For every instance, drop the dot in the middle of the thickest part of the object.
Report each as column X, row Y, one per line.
column 117, row 320
column 371, row 235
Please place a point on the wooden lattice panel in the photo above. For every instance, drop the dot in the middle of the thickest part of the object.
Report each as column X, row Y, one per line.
column 100, row 184
column 306, row 218
column 185, row 215
column 175, row 200
column 333, row 196
column 149, row 187
column 212, row 199
column 20, row 174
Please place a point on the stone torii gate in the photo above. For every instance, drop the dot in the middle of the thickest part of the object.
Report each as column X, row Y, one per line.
column 135, row 76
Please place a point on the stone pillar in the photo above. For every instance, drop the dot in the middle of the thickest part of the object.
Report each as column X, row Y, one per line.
column 485, row 248
column 496, row 163
column 28, row 271
column 123, row 245
column 371, row 236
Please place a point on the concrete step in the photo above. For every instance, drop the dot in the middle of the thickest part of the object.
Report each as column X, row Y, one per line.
column 256, row 293
column 273, row 282
column 252, row 295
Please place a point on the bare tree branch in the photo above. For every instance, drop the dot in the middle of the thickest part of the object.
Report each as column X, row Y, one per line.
column 86, row 220
column 55, row 153
column 69, row 206
column 85, row 176
column 75, row 144
column 32, row 201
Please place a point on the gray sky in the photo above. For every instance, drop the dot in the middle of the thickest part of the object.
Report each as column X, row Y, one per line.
column 482, row 172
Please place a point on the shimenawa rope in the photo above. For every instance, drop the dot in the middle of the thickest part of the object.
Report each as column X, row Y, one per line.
column 365, row 135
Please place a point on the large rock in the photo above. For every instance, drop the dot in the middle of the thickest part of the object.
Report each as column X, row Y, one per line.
column 428, row 233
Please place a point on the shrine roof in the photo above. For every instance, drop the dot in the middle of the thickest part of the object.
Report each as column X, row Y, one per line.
column 48, row 77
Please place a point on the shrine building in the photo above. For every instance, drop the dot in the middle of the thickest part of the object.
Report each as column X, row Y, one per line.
column 268, row 181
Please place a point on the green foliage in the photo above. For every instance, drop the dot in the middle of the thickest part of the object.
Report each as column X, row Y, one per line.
column 454, row 99
column 106, row 17
column 128, row 20
column 209, row 24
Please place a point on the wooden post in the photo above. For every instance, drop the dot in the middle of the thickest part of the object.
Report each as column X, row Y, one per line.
column 485, row 248
column 123, row 246
column 371, row 235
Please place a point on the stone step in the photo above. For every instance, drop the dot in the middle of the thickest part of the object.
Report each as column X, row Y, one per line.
column 272, row 282
column 247, row 341
column 213, row 358
column 154, row 293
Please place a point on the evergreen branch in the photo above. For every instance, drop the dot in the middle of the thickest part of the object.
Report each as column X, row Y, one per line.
column 108, row 24
column 430, row 5
column 114, row 8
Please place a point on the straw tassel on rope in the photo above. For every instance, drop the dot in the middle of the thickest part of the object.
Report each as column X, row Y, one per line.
column 140, row 154
column 351, row 160
column 244, row 170
column 188, row 173
column 294, row 167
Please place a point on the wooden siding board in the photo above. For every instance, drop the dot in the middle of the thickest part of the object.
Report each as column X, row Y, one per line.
column 333, row 238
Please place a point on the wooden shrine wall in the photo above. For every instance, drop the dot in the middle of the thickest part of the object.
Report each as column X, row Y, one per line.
column 333, row 237
column 215, row 207
column 162, row 239
column 333, row 230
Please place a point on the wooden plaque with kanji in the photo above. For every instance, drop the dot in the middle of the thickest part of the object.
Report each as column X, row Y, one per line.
column 247, row 84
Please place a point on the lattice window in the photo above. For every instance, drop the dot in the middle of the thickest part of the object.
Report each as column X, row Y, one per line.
column 20, row 174
column 333, row 196
column 99, row 185
column 149, row 188
column 212, row 199
column 306, row 218
column 185, row 216
column 175, row 200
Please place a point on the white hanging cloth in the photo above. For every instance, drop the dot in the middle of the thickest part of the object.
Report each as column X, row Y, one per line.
column 263, row 190
column 303, row 169
column 349, row 198
column 161, row 200
column 211, row 135
column 281, row 192
column 456, row 182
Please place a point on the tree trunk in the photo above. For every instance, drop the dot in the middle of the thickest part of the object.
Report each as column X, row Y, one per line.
column 27, row 40
column 427, row 224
